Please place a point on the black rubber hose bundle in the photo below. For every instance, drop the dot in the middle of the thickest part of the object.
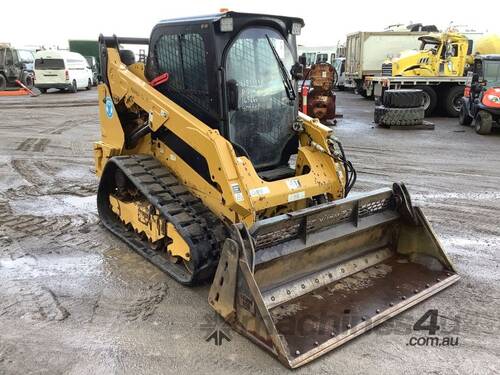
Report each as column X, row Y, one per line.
column 349, row 168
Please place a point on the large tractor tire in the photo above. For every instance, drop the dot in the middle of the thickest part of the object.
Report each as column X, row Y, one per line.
column 463, row 117
column 403, row 98
column 430, row 99
column 380, row 111
column 483, row 123
column 453, row 100
column 400, row 116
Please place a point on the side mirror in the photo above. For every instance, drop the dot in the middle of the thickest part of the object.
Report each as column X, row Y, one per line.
column 297, row 71
column 232, row 95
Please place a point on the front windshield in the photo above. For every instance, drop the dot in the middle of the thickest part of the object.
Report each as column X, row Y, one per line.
column 426, row 46
column 337, row 64
column 261, row 124
column 321, row 58
column 310, row 57
column 492, row 72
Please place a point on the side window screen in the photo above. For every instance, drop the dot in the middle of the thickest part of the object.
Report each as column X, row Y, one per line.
column 183, row 58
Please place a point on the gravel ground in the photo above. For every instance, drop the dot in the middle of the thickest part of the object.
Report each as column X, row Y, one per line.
column 75, row 300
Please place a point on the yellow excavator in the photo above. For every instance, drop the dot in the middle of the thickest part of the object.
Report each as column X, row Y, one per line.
column 209, row 171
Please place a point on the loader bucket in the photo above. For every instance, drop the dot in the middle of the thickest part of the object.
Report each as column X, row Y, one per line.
column 304, row 283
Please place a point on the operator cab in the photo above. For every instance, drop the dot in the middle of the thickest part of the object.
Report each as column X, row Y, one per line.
column 235, row 72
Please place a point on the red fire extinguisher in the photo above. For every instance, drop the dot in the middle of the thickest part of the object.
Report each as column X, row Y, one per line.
column 304, row 93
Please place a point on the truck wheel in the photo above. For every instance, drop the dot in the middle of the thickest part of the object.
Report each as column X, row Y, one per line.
column 360, row 90
column 403, row 98
column 74, row 87
column 453, row 100
column 3, row 82
column 463, row 117
column 27, row 79
column 430, row 99
column 43, row 91
column 483, row 123
column 89, row 84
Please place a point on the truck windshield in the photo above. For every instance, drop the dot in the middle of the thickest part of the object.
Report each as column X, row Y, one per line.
column 492, row 72
column 262, row 122
column 426, row 46
column 49, row 64
column 310, row 57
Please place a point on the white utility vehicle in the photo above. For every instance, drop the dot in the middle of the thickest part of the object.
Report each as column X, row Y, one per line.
column 62, row 70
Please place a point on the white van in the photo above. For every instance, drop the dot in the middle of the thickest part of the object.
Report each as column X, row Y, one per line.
column 62, row 70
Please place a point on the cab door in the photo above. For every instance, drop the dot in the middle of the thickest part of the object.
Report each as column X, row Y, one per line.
column 452, row 62
column 12, row 65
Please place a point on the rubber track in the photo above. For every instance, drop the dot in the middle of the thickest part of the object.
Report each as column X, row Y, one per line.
column 202, row 230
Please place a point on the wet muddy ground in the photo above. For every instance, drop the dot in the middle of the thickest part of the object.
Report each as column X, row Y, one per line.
column 75, row 300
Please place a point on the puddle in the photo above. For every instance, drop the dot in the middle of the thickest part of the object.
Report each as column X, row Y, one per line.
column 55, row 205
column 28, row 267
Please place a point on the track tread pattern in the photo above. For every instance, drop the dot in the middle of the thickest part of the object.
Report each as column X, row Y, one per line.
column 200, row 228
column 399, row 116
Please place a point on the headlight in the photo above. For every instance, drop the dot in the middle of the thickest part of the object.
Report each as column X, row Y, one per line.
column 226, row 24
column 296, row 27
column 494, row 98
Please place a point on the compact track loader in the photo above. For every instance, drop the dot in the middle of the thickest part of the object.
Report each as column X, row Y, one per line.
column 209, row 171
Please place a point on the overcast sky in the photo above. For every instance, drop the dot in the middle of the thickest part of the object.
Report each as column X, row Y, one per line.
column 35, row 22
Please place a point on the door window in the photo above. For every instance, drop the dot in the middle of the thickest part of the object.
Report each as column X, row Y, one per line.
column 9, row 59
column 261, row 124
column 182, row 56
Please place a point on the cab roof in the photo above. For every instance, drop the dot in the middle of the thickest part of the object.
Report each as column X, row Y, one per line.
column 437, row 38
column 212, row 18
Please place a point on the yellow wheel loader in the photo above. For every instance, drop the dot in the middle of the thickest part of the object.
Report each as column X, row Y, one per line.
column 209, row 171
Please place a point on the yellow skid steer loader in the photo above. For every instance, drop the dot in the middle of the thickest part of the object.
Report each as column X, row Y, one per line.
column 209, row 171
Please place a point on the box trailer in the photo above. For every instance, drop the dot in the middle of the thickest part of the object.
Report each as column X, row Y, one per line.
column 90, row 50
column 366, row 51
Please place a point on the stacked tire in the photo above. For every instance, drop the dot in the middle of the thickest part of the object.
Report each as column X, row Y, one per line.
column 402, row 107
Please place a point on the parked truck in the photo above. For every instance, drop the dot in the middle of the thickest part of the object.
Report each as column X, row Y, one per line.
column 439, row 68
column 15, row 64
column 366, row 51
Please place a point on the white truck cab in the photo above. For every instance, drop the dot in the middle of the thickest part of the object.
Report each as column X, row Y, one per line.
column 62, row 70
